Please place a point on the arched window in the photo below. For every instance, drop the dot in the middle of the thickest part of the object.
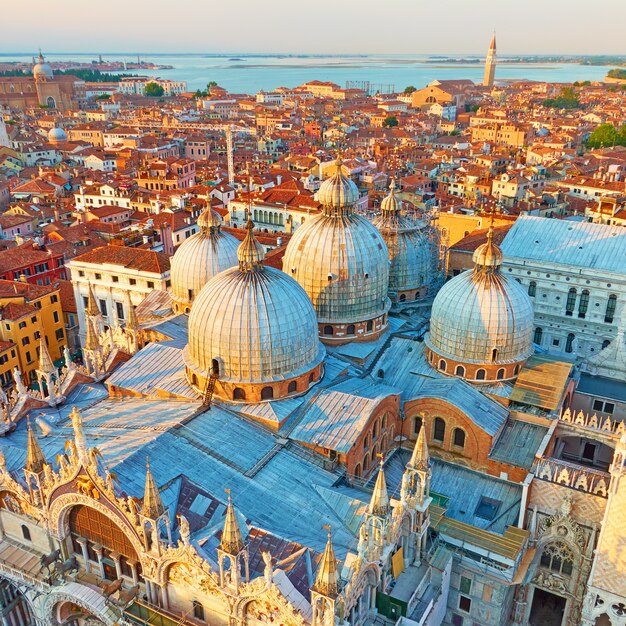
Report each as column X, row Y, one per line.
column 311, row 377
column 571, row 302
column 605, row 344
column 370, row 326
column 532, row 288
column 366, row 463
column 480, row 374
column 442, row 365
column 357, row 471
column 293, row 387
column 402, row 297
column 267, row 393
column 26, row 532
column 328, row 331
column 215, row 367
column 194, row 380
column 350, row 329
column 366, row 442
column 458, row 438
column 558, row 557
column 383, row 423
column 583, row 305
column 610, row 309
column 239, row 394
column 439, row 430
column 500, row 374
column 494, row 354
column 417, row 425
column 51, row 103
column 198, row 611
column 375, row 431
column 460, row 370
column 538, row 335
column 569, row 344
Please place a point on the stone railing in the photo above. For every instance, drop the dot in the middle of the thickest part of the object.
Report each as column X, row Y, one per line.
column 593, row 422
column 575, row 476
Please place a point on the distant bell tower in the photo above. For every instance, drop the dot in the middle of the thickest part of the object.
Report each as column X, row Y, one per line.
column 490, row 64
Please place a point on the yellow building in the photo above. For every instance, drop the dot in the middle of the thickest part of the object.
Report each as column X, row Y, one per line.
column 26, row 313
column 456, row 226
column 508, row 135
column 8, row 360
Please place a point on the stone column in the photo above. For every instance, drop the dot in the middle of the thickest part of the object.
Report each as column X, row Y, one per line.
column 83, row 548
column 164, row 599
column 118, row 566
column 133, row 569
column 98, row 549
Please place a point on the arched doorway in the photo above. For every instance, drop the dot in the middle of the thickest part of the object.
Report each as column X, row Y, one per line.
column 69, row 614
column 51, row 102
column 14, row 606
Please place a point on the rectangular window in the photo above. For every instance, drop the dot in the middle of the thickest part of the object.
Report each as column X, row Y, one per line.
column 25, row 341
column 119, row 307
column 103, row 307
column 465, row 586
column 59, row 334
column 603, row 407
column 465, row 604
column 33, row 320
column 28, row 358
column 150, row 284
column 37, row 335
column 55, row 317
column 54, row 298
column 81, row 273
column 98, row 276
column 132, row 281
column 115, row 279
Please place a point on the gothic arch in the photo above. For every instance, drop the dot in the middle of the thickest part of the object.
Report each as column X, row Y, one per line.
column 87, row 598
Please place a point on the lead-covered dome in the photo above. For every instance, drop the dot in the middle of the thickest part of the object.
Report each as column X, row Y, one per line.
column 254, row 329
column 340, row 259
column 200, row 258
column 42, row 70
column 481, row 324
column 57, row 135
column 410, row 252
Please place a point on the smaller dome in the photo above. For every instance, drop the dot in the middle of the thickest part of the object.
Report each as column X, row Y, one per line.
column 391, row 203
column 338, row 191
column 42, row 69
column 208, row 218
column 488, row 256
column 57, row 135
column 250, row 252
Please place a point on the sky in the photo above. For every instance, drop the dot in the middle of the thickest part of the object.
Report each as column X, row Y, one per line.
column 318, row 26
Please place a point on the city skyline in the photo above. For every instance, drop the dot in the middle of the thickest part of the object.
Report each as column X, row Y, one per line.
column 407, row 28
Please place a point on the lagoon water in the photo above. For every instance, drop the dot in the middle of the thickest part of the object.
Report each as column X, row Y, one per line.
column 251, row 73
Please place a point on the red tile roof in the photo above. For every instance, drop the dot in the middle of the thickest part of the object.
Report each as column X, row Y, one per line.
column 132, row 258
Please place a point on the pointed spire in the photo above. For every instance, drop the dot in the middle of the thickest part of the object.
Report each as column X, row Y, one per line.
column 92, row 305
column 35, row 460
column 250, row 252
column 46, row 365
column 420, row 457
column 492, row 45
column 379, row 504
column 91, row 337
column 232, row 541
column 391, row 205
column 152, row 504
column 327, row 578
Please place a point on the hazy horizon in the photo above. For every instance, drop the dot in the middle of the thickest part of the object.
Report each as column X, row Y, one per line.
column 453, row 27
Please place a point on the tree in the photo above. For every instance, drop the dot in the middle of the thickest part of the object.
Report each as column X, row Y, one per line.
column 154, row 90
column 567, row 99
column 606, row 135
column 390, row 121
column 621, row 74
column 409, row 89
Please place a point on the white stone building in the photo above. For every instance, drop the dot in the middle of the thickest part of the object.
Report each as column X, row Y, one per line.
column 575, row 273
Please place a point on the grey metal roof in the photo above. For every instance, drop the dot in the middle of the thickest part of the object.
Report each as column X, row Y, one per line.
column 337, row 416
column 579, row 244
column 156, row 368
column 518, row 443
column 602, row 387
column 483, row 411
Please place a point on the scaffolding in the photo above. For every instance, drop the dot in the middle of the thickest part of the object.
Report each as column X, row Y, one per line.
column 371, row 89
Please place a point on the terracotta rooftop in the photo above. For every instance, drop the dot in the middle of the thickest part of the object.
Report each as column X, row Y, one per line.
column 132, row 258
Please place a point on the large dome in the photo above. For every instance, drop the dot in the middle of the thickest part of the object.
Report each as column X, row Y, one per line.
column 42, row 70
column 481, row 324
column 253, row 327
column 340, row 259
column 200, row 258
column 410, row 252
